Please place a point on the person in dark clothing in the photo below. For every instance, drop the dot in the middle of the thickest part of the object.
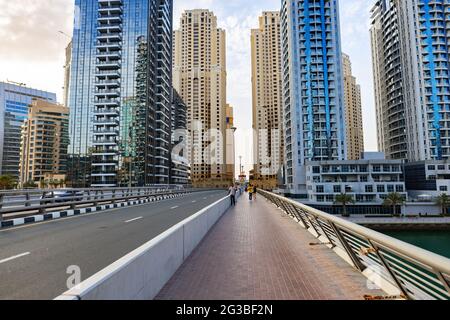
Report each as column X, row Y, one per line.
column 232, row 193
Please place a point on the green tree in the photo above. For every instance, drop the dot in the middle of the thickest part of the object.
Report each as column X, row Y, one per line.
column 444, row 202
column 7, row 182
column 344, row 200
column 30, row 185
column 394, row 200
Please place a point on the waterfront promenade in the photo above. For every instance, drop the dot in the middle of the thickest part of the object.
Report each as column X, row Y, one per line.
column 257, row 252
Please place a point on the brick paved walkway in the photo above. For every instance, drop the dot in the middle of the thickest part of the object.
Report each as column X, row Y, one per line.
column 255, row 252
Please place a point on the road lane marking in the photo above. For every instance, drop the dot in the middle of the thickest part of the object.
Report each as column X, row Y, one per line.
column 174, row 207
column 194, row 201
column 135, row 219
column 15, row 257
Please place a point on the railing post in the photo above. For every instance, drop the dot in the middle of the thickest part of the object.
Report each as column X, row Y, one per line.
column 348, row 248
column 1, row 206
column 324, row 232
column 389, row 270
column 301, row 218
column 41, row 203
column 96, row 198
column 114, row 196
column 27, row 199
column 443, row 280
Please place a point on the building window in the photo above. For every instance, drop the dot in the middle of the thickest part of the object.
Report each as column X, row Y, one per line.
column 381, row 189
column 443, row 188
column 369, row 189
column 337, row 189
column 316, row 170
column 320, row 189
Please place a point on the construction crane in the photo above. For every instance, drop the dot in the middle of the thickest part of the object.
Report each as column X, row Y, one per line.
column 21, row 84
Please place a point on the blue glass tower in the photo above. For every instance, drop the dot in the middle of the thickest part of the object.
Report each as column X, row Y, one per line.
column 120, row 93
column 14, row 103
column 312, row 86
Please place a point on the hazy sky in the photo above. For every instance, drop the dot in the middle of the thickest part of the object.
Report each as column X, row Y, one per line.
column 32, row 50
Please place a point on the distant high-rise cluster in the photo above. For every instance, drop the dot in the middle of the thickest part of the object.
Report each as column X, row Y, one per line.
column 15, row 100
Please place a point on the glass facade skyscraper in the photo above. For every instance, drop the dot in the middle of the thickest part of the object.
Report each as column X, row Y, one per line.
column 312, row 87
column 15, row 101
column 120, row 93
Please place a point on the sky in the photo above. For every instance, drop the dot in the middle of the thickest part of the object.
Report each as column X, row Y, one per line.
column 32, row 51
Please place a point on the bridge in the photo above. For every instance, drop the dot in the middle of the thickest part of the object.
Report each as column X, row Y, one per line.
column 169, row 243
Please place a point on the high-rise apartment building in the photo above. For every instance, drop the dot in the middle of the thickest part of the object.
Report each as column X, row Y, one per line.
column 15, row 100
column 44, row 142
column 313, row 95
column 353, row 112
column 120, row 93
column 199, row 76
column 268, row 141
column 411, row 63
column 388, row 81
column 179, row 173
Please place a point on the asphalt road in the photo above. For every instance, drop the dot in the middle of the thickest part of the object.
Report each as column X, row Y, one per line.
column 34, row 259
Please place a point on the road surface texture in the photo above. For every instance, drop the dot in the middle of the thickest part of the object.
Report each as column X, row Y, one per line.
column 34, row 259
column 257, row 253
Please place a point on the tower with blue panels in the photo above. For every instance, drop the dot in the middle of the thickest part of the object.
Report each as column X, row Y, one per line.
column 14, row 104
column 423, row 28
column 120, row 93
column 312, row 87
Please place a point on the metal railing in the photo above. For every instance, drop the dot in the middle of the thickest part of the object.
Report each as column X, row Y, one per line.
column 414, row 273
column 23, row 203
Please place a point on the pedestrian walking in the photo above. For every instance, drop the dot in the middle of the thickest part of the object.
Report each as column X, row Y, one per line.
column 232, row 193
column 254, row 192
column 250, row 192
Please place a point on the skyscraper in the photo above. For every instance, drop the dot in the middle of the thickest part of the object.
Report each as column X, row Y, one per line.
column 200, row 76
column 15, row 100
column 45, row 137
column 120, row 93
column 180, row 164
column 353, row 112
column 267, row 100
column 67, row 70
column 388, row 81
column 411, row 63
column 313, row 95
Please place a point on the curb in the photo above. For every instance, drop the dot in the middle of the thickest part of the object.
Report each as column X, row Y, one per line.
column 77, row 212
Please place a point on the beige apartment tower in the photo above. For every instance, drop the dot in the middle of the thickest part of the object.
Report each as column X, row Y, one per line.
column 267, row 101
column 353, row 112
column 200, row 77
column 43, row 149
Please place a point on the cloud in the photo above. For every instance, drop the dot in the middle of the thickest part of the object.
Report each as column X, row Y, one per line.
column 29, row 29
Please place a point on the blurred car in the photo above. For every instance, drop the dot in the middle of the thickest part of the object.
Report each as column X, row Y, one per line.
column 61, row 196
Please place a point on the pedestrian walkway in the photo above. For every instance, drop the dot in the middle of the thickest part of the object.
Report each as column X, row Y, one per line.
column 256, row 252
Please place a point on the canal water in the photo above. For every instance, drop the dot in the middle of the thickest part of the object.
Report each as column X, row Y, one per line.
column 434, row 241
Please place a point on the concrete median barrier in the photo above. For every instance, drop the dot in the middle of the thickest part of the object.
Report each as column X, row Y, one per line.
column 141, row 274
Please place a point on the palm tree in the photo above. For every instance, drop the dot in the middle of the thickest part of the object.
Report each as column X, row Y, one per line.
column 344, row 200
column 444, row 202
column 7, row 182
column 393, row 200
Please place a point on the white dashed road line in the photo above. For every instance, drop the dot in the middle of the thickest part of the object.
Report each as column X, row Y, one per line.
column 174, row 207
column 138, row 218
column 15, row 257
